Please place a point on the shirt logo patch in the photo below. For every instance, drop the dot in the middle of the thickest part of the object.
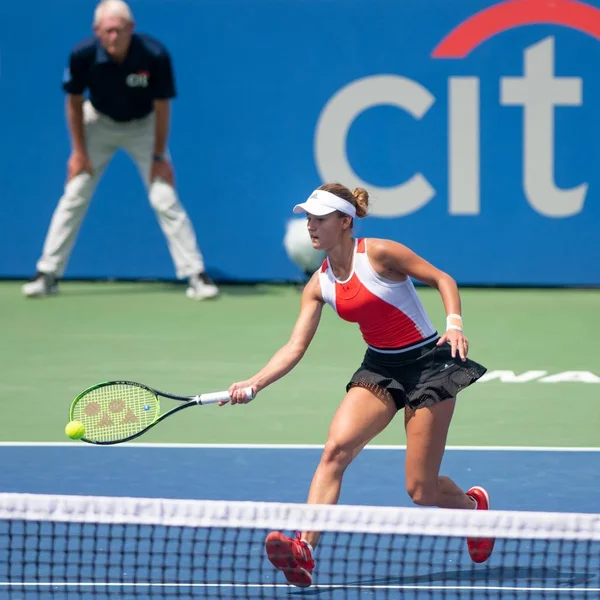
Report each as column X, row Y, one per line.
column 139, row 79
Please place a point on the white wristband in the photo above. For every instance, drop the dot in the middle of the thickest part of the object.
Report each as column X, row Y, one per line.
column 451, row 325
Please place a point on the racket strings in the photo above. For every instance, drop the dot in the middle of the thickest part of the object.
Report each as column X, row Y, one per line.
column 115, row 412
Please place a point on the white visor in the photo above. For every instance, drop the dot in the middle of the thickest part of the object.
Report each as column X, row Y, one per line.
column 322, row 203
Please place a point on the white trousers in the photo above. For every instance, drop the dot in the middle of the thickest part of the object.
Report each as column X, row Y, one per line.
column 103, row 138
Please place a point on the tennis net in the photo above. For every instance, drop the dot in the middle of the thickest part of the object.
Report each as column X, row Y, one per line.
column 130, row 548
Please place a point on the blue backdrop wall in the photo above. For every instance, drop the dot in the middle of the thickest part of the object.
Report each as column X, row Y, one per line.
column 474, row 125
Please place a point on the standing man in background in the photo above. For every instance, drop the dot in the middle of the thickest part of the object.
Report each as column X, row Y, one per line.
column 130, row 81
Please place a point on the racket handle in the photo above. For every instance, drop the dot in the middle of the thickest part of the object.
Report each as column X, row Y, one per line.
column 215, row 397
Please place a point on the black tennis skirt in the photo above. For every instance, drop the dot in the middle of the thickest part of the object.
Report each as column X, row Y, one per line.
column 420, row 377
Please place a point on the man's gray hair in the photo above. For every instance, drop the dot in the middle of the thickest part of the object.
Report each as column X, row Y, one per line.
column 112, row 8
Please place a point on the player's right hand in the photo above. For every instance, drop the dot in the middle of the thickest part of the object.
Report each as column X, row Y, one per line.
column 78, row 163
column 237, row 394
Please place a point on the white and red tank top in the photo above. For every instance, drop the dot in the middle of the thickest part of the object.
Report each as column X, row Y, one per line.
column 390, row 314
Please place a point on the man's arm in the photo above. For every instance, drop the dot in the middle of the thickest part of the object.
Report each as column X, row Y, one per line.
column 163, row 89
column 74, row 108
column 75, row 82
column 79, row 161
column 162, row 109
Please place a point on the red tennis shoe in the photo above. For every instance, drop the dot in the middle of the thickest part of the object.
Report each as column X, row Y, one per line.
column 293, row 556
column 480, row 549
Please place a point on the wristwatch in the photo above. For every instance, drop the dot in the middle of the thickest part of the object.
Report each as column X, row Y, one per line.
column 158, row 157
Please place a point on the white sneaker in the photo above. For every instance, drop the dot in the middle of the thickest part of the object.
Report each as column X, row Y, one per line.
column 43, row 284
column 201, row 287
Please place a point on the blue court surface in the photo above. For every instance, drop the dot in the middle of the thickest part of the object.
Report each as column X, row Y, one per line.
column 517, row 479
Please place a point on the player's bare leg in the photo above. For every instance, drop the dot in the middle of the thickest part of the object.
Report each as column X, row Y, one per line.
column 363, row 413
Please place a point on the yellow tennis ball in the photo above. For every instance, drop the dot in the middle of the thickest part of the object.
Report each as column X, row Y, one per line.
column 75, row 430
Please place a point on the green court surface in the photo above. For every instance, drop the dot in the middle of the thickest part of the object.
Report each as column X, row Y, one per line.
column 53, row 348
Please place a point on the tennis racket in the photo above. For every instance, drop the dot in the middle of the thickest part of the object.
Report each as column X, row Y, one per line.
column 114, row 412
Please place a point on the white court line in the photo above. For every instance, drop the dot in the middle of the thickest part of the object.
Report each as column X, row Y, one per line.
column 296, row 447
column 482, row 588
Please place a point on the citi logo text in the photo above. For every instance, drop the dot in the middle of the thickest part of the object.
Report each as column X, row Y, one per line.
column 140, row 79
column 538, row 92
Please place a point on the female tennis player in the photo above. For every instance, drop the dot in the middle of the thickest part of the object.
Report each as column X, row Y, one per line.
column 407, row 365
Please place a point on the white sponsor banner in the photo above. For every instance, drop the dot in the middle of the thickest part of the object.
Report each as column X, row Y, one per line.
column 540, row 377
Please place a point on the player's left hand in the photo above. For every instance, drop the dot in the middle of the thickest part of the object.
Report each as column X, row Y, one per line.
column 164, row 170
column 457, row 341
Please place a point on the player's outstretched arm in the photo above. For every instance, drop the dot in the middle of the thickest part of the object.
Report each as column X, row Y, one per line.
column 289, row 355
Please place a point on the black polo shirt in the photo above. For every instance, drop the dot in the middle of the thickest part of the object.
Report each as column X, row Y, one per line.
column 122, row 91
